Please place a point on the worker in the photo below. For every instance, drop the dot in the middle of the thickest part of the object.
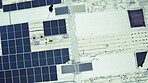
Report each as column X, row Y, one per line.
column 47, row 40
column 69, row 62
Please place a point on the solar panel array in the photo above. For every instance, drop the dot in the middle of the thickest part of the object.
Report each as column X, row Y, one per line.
column 17, row 57
column 29, row 4
column 1, row 5
column 15, row 39
column 29, row 75
column 54, row 27
column 32, row 61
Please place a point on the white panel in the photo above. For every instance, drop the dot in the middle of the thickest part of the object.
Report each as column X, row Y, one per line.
column 4, row 19
column 102, row 23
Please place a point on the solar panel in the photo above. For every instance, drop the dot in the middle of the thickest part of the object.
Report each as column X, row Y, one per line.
column 54, row 27
column 61, row 10
column 85, row 67
column 28, row 4
column 136, row 18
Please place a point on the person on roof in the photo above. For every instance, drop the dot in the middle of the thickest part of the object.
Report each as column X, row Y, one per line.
column 47, row 40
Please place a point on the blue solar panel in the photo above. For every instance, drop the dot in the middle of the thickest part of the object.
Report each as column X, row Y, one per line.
column 46, row 24
column 21, row 5
column 6, row 8
column 49, row 53
column 11, row 35
column 10, row 28
column 56, row 1
column 11, row 43
column 55, row 31
column 19, row 42
column 5, row 59
column 5, row 51
column 62, row 30
column 31, row 79
column 50, row 2
column 28, row 63
column 58, row 60
column 27, row 48
column 57, row 53
column 62, row 23
column 35, row 3
column 65, row 59
column 20, row 64
column 13, row 65
column 4, row 44
column 12, row 50
column 54, row 23
column 42, row 2
column 54, row 27
column 47, row 32
column 53, row 77
column 3, row 29
column 43, row 62
column 17, row 27
column 6, row 66
column 13, row 7
column 25, row 26
column 27, row 4
column 1, row 5
column 46, row 77
column 19, row 49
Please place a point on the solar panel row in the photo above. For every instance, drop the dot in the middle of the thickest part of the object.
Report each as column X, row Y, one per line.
column 29, row 75
column 34, row 59
column 15, row 39
column 54, row 27
column 1, row 5
column 29, row 4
